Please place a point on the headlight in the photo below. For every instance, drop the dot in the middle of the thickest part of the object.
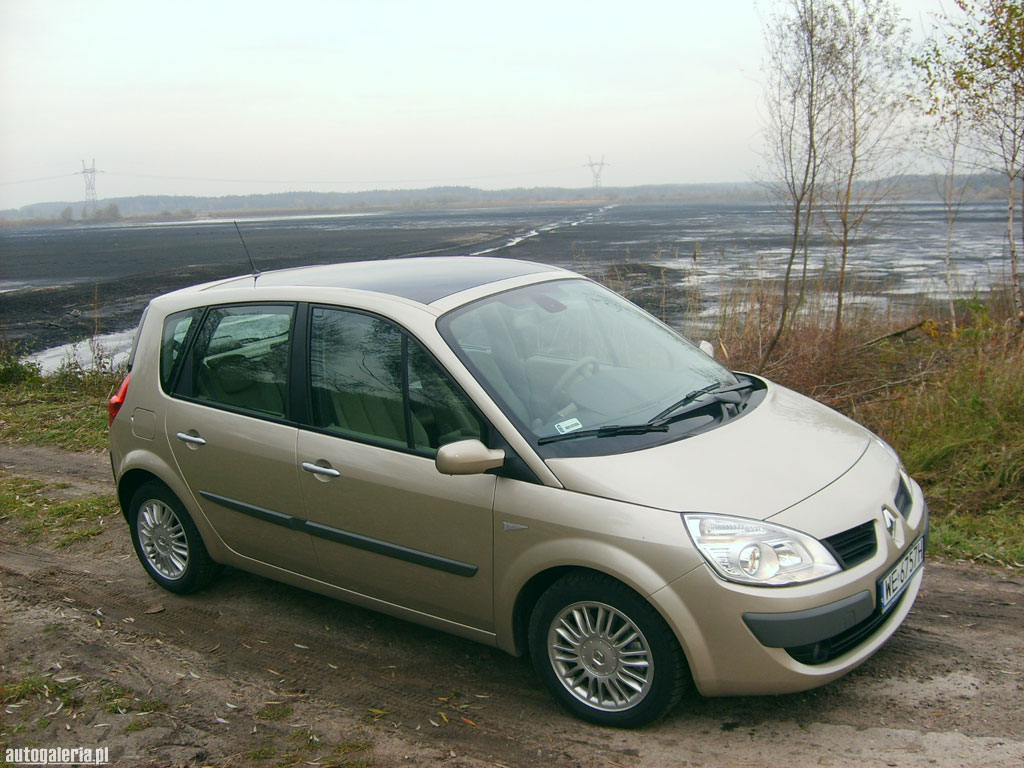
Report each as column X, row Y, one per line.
column 754, row 552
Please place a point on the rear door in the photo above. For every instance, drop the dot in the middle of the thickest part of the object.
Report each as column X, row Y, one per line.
column 228, row 429
column 385, row 522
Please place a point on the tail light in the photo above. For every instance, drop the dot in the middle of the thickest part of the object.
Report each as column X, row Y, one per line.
column 115, row 403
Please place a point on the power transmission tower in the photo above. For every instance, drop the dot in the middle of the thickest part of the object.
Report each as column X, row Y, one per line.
column 595, row 169
column 89, row 174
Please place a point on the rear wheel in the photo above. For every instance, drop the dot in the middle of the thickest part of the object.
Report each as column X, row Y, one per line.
column 166, row 540
column 604, row 652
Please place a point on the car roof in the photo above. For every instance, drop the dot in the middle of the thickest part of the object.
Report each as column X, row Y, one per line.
column 422, row 279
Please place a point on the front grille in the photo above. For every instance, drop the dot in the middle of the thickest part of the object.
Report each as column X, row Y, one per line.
column 853, row 546
column 833, row 647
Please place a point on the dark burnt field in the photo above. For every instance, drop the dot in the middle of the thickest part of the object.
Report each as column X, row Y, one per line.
column 61, row 285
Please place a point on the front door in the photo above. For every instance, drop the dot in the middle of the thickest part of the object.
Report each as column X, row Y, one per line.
column 384, row 522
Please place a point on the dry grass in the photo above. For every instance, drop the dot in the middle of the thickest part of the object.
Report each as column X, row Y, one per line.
column 951, row 404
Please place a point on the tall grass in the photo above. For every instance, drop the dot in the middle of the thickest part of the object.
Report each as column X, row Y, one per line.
column 961, row 435
column 66, row 409
column 951, row 403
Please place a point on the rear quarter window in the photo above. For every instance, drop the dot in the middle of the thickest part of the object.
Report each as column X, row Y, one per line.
column 172, row 343
column 135, row 339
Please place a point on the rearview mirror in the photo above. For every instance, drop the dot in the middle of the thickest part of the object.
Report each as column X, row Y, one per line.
column 707, row 348
column 467, row 457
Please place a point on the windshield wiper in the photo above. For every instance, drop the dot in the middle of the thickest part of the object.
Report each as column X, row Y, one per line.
column 677, row 409
column 660, row 422
column 611, row 430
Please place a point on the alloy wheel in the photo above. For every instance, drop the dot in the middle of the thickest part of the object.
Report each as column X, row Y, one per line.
column 163, row 539
column 600, row 656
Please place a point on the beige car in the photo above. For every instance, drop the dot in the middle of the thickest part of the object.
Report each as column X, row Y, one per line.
column 511, row 453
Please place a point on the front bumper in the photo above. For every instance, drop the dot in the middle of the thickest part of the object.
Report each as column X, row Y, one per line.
column 727, row 659
column 811, row 625
column 747, row 640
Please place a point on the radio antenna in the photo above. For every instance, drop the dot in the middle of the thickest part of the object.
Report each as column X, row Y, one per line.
column 255, row 272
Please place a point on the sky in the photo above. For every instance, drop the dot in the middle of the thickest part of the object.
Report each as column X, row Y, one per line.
column 216, row 98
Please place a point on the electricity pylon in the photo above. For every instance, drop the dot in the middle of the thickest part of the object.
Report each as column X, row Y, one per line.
column 595, row 169
column 89, row 174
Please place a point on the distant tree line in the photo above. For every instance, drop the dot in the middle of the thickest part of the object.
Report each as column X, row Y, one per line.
column 183, row 207
column 110, row 212
column 175, row 206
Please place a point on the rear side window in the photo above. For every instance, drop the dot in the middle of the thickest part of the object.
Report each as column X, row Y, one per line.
column 371, row 381
column 240, row 358
column 176, row 328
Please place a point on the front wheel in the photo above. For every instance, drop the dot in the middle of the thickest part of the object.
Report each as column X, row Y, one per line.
column 604, row 653
column 166, row 540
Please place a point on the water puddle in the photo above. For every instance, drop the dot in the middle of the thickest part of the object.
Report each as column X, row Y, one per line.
column 109, row 350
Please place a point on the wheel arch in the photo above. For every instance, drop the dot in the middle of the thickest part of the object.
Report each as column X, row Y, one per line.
column 527, row 599
column 536, row 585
column 129, row 483
column 138, row 475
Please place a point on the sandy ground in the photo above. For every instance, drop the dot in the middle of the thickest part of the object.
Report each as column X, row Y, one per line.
column 251, row 672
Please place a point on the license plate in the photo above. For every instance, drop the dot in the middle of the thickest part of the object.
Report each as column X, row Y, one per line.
column 896, row 580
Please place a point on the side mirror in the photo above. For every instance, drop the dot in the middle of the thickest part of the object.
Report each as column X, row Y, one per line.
column 467, row 457
column 707, row 348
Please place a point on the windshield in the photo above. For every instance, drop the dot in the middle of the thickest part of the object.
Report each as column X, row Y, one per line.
column 570, row 356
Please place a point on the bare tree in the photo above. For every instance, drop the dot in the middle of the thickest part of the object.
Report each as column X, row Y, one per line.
column 863, row 170
column 797, row 100
column 945, row 141
column 980, row 61
column 954, row 184
column 834, row 98
column 993, row 38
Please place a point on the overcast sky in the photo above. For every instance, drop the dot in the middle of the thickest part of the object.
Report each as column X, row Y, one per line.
column 213, row 98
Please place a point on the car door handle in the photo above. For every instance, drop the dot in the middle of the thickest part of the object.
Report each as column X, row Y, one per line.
column 185, row 437
column 316, row 469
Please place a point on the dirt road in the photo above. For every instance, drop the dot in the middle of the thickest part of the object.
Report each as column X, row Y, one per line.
column 251, row 672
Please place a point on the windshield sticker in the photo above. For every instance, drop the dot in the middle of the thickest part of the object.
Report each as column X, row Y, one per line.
column 568, row 426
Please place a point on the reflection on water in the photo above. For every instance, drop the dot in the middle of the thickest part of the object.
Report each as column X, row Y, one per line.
column 111, row 350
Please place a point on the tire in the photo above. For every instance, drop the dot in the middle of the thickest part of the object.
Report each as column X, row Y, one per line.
column 167, row 542
column 604, row 653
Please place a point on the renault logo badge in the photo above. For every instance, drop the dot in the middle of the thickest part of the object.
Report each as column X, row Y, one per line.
column 890, row 522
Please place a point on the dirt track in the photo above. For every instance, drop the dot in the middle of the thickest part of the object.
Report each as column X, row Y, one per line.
column 364, row 689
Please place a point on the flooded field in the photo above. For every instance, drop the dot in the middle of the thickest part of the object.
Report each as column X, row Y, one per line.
column 58, row 286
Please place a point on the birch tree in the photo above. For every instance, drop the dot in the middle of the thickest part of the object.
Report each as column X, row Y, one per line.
column 864, row 167
column 835, row 95
column 984, row 62
column 796, row 129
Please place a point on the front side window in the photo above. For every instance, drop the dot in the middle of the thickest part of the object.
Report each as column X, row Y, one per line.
column 439, row 411
column 240, row 358
column 356, row 376
column 371, row 382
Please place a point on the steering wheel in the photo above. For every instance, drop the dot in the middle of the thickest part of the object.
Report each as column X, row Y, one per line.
column 575, row 370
